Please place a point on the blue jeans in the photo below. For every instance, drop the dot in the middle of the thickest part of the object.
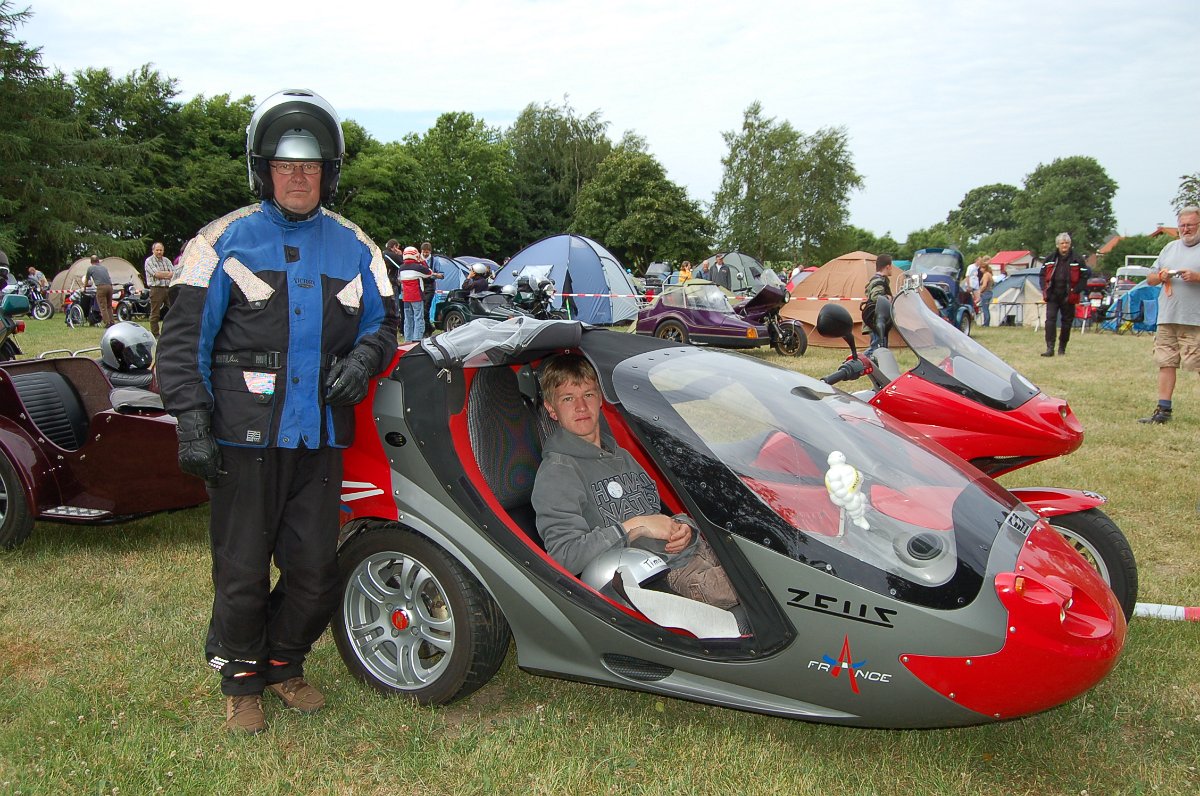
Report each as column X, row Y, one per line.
column 985, row 302
column 414, row 320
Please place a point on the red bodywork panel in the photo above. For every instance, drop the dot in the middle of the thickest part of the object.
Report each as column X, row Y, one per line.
column 1058, row 609
column 1041, row 428
column 365, row 466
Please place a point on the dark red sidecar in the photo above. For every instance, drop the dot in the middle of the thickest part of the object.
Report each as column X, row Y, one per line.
column 66, row 455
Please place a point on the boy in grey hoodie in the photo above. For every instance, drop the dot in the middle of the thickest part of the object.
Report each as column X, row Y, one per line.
column 590, row 495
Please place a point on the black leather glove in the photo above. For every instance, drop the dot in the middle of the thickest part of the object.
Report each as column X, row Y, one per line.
column 350, row 376
column 199, row 454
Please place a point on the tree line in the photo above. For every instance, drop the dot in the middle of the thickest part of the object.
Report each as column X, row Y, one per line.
column 99, row 163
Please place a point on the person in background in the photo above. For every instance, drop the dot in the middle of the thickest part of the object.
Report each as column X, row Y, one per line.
column 478, row 281
column 393, row 261
column 98, row 277
column 428, row 286
column 281, row 313
column 987, row 283
column 1177, row 338
column 685, row 272
column 1064, row 278
column 879, row 285
column 413, row 274
column 973, row 281
column 39, row 279
column 158, row 271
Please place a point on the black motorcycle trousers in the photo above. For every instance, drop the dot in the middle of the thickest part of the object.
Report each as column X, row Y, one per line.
column 1059, row 315
column 271, row 504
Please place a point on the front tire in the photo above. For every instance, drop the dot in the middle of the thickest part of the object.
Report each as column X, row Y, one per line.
column 16, row 521
column 74, row 315
column 670, row 330
column 413, row 620
column 43, row 311
column 1097, row 538
column 792, row 340
column 124, row 311
column 453, row 319
column 964, row 323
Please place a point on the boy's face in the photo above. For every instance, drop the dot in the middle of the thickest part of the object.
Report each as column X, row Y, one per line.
column 576, row 407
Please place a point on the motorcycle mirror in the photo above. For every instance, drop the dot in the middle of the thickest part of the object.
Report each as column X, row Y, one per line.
column 834, row 321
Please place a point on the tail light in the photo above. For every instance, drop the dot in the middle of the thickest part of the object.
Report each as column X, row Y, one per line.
column 20, row 326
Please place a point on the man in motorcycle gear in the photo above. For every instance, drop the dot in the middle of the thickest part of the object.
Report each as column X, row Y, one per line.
column 1064, row 278
column 281, row 313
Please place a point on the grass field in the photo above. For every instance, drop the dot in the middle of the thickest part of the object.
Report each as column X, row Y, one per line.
column 103, row 689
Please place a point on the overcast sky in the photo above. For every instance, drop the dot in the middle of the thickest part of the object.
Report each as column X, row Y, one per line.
column 937, row 97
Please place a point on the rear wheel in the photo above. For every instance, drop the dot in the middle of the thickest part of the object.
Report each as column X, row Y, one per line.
column 792, row 340
column 964, row 323
column 413, row 620
column 124, row 311
column 453, row 319
column 8, row 351
column 670, row 330
column 43, row 311
column 15, row 520
column 1097, row 538
column 74, row 315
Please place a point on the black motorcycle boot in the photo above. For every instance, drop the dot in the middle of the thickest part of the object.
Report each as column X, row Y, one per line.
column 1049, row 352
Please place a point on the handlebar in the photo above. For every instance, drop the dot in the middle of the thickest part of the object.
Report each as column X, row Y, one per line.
column 851, row 369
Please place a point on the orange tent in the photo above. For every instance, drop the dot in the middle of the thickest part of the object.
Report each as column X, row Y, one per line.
column 844, row 280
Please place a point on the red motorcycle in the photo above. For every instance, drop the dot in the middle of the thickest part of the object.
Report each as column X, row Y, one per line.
column 975, row 404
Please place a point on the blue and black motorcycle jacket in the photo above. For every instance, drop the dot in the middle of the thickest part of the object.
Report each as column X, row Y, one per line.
column 261, row 308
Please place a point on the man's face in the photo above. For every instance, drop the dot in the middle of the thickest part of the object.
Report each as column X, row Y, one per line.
column 1064, row 246
column 157, row 250
column 426, row 252
column 297, row 192
column 1189, row 229
column 576, row 407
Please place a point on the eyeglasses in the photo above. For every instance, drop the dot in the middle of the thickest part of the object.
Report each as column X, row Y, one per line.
column 287, row 168
column 1192, row 225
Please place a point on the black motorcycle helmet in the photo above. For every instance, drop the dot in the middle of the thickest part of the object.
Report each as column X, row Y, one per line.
column 126, row 346
column 294, row 124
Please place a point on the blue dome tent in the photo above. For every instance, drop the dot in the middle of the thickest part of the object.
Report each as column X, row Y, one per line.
column 578, row 265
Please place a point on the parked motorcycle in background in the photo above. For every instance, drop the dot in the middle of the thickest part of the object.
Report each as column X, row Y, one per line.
column 132, row 303
column 12, row 305
column 40, row 307
column 535, row 297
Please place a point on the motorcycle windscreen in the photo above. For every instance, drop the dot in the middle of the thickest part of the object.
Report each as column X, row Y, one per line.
column 788, row 462
column 954, row 360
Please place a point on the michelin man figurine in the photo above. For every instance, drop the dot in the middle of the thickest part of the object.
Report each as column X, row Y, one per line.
column 843, row 482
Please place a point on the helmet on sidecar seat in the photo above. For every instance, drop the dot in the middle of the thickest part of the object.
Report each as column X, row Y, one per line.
column 125, row 346
column 642, row 564
column 509, row 290
column 294, row 124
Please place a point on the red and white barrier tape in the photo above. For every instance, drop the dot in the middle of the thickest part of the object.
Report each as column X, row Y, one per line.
column 1177, row 613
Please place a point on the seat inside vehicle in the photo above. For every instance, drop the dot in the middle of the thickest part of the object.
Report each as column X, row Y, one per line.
column 506, row 433
column 54, row 407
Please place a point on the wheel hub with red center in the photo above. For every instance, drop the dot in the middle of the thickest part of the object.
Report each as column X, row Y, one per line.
column 400, row 619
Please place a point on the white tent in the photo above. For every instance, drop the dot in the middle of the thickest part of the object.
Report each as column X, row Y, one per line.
column 1017, row 299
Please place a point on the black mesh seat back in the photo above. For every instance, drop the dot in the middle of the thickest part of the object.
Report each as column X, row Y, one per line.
column 54, row 407
column 504, row 436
